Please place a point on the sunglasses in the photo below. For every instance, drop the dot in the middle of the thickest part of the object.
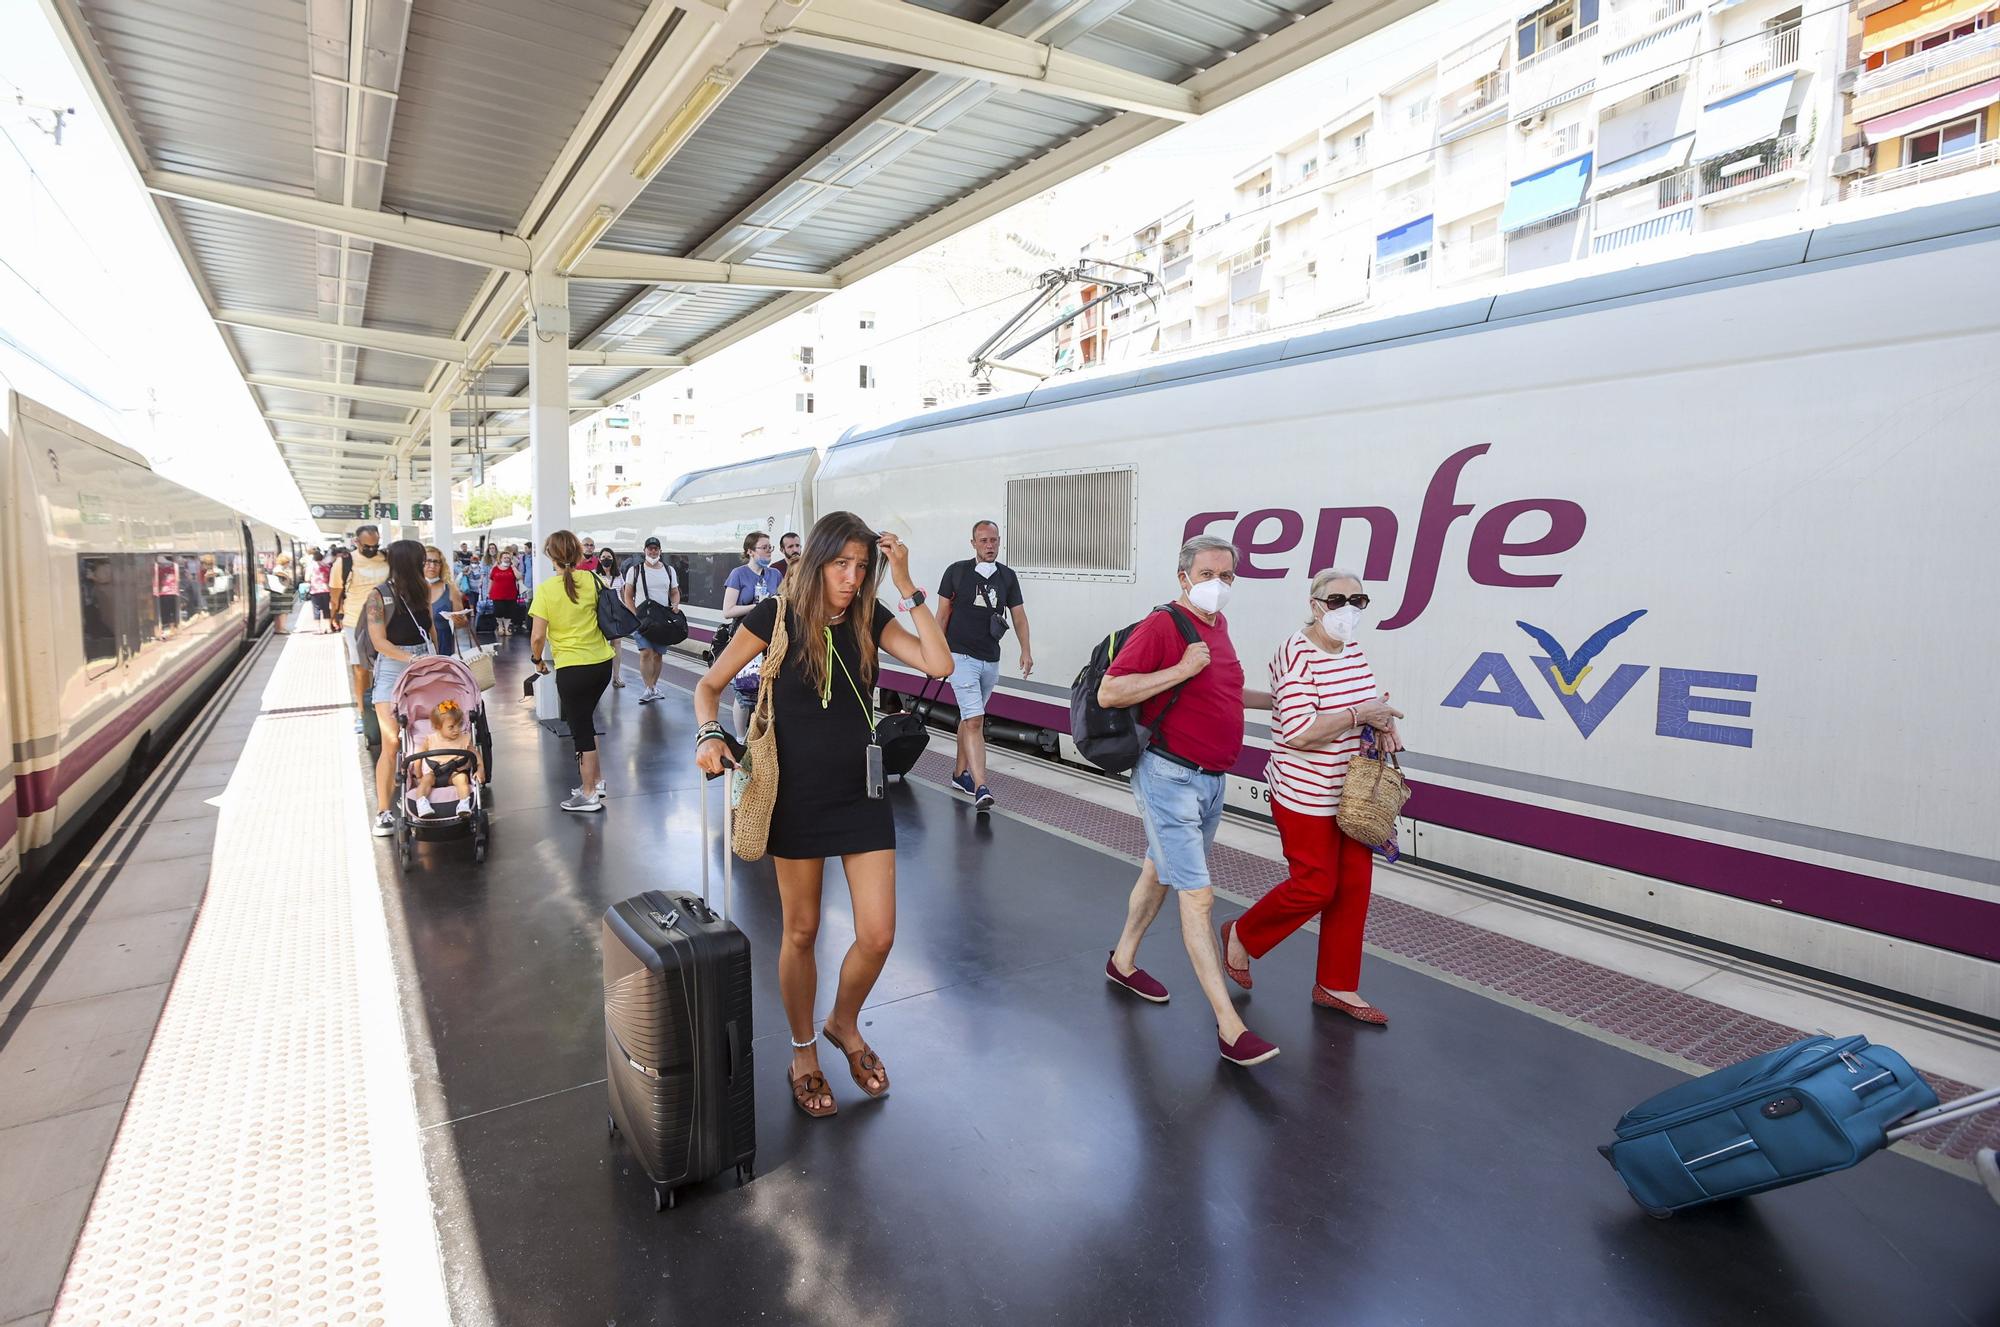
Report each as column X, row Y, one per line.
column 1334, row 601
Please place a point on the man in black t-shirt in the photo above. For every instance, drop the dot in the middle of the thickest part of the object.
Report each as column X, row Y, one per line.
column 976, row 599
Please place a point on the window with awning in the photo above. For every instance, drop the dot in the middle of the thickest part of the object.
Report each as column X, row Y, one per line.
column 1646, row 164
column 1545, row 195
column 1915, row 119
column 1392, row 245
column 1913, row 19
column 1749, row 117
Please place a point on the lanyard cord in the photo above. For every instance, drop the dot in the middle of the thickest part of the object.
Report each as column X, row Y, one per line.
column 826, row 687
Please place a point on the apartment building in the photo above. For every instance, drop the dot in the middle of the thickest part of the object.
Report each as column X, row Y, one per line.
column 1923, row 94
column 608, row 465
column 1574, row 130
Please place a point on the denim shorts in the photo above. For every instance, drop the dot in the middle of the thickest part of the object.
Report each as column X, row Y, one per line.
column 972, row 681
column 1181, row 809
column 387, row 670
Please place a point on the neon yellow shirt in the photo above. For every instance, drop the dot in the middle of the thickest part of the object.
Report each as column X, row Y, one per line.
column 573, row 635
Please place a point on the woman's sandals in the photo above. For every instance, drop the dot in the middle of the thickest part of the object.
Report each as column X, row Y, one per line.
column 810, row 1088
column 863, row 1063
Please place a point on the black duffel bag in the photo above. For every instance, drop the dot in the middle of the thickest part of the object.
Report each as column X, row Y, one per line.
column 659, row 625
column 904, row 737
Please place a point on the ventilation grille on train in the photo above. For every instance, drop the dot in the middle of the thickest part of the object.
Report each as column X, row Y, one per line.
column 1071, row 522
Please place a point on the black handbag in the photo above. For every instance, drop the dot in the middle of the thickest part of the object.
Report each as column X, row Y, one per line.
column 659, row 625
column 904, row 738
column 614, row 619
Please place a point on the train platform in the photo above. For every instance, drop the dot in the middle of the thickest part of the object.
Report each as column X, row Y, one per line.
column 252, row 1071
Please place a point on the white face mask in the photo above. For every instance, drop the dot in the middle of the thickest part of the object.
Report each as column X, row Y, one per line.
column 986, row 569
column 1343, row 623
column 1211, row 597
column 433, row 580
column 653, row 556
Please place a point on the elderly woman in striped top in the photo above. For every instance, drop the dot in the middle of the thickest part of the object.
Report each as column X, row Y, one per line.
column 1323, row 692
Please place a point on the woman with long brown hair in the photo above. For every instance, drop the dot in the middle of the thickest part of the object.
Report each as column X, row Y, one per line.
column 564, row 614
column 397, row 618
column 824, row 725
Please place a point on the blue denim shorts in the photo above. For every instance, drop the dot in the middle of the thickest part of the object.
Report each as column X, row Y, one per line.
column 1181, row 809
column 387, row 670
column 972, row 682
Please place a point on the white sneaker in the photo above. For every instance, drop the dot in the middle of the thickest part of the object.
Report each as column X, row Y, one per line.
column 578, row 802
column 424, row 806
column 600, row 787
column 385, row 825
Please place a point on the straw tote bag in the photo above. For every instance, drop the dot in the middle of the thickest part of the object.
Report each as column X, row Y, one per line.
column 1372, row 795
column 759, row 796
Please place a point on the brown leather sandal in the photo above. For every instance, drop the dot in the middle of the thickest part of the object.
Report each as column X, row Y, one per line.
column 805, row 1089
column 862, row 1063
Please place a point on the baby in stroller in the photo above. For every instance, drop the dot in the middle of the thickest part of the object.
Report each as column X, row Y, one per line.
column 447, row 753
column 449, row 733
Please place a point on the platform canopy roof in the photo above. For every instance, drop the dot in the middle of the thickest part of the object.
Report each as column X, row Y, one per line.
column 362, row 189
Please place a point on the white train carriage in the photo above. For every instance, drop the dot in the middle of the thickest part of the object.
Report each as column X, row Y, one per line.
column 1678, row 572
column 124, row 598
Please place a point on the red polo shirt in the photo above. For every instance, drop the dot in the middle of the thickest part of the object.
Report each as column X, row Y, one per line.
column 1206, row 725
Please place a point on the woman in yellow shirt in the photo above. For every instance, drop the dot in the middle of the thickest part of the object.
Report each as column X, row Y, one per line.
column 564, row 618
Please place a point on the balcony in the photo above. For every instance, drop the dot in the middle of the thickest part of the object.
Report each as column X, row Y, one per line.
column 1563, row 47
column 1928, row 74
column 1644, row 232
column 1472, row 103
column 1747, row 63
column 1461, row 260
column 1631, row 21
column 1758, row 168
column 1938, row 168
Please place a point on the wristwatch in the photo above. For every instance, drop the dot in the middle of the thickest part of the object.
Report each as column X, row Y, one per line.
column 915, row 601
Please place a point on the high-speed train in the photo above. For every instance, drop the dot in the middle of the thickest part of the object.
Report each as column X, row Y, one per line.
column 1682, row 573
column 124, row 599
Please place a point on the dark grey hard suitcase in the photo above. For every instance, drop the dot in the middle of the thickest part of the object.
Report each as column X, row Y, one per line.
column 677, row 1031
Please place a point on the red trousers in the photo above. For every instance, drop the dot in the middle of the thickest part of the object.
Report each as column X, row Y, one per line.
column 1329, row 880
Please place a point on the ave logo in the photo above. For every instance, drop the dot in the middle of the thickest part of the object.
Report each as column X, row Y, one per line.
column 1492, row 680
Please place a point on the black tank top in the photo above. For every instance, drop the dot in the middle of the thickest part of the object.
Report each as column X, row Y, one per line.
column 403, row 628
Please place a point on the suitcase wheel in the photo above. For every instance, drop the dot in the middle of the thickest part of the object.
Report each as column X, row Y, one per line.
column 745, row 1173
column 664, row 1198
column 610, row 1125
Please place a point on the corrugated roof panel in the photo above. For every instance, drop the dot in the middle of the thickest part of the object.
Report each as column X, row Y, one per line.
column 416, row 292
column 1172, row 40
column 603, row 384
column 379, row 370
column 704, row 312
column 214, row 87
column 490, row 92
column 251, row 263
column 276, row 353
column 792, row 103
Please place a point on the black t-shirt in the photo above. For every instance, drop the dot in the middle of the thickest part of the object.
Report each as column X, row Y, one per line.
column 974, row 600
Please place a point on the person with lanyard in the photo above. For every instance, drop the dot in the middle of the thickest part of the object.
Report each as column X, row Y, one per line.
column 976, row 598
column 753, row 582
column 355, row 577
column 564, row 623
column 397, row 618
column 829, row 798
column 605, row 563
column 650, row 579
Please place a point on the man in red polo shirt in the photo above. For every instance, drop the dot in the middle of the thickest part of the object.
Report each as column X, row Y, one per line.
column 1192, row 696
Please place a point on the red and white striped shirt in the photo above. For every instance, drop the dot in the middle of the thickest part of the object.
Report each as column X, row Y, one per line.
column 1307, row 682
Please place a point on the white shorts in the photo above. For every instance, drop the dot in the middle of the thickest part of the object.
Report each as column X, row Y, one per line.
column 972, row 682
column 353, row 638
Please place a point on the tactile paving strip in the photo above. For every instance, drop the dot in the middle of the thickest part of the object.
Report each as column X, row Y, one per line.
column 267, row 1168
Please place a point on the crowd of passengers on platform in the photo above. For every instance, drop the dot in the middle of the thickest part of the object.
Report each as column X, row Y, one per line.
column 801, row 642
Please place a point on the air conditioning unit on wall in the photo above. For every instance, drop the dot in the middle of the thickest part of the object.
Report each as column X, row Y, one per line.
column 1854, row 161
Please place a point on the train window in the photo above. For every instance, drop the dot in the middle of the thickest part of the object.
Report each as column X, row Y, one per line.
column 194, row 584
column 219, row 575
column 97, row 590
column 1079, row 521
column 702, row 576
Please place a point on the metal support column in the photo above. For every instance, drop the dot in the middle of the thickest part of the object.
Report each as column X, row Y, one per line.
column 548, row 430
column 441, row 531
column 406, row 525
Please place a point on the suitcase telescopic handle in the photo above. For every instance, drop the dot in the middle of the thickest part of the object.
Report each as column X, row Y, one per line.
column 1949, row 1113
column 735, row 749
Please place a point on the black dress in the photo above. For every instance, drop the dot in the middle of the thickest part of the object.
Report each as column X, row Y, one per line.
column 823, row 805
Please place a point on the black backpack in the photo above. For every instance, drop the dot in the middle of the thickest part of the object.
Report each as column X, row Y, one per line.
column 1113, row 740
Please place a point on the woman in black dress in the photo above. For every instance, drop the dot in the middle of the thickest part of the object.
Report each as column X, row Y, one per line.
column 823, row 720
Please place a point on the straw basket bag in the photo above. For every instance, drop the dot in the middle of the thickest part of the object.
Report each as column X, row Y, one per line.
column 759, row 789
column 1372, row 795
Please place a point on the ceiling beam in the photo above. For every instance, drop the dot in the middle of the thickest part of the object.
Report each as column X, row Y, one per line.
column 894, row 32
column 494, row 404
column 482, row 248
column 368, row 338
column 350, row 391
column 658, row 269
column 514, row 356
column 384, row 427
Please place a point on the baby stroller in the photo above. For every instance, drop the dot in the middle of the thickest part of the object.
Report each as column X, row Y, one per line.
column 429, row 681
